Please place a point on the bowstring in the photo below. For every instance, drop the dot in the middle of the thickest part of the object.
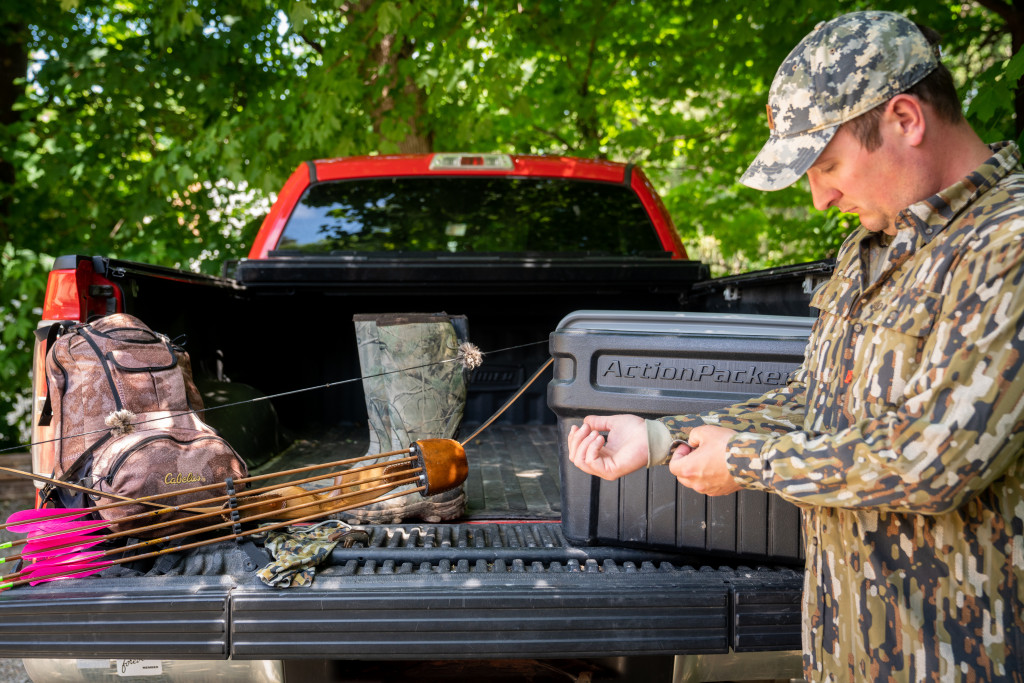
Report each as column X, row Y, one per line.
column 293, row 392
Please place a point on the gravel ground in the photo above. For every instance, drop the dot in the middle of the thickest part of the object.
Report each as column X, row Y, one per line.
column 12, row 671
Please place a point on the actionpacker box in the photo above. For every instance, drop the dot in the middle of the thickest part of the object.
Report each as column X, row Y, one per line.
column 663, row 363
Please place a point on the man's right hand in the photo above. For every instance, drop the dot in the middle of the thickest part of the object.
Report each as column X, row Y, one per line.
column 624, row 450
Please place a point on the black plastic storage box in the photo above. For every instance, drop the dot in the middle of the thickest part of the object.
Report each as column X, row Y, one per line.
column 661, row 363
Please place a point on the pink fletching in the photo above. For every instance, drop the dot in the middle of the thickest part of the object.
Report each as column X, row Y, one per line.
column 47, row 528
column 61, row 562
column 72, row 572
column 44, row 526
column 50, row 540
column 51, row 547
column 47, row 513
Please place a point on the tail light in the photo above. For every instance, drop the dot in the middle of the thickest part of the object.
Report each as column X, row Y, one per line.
column 79, row 293
column 61, row 302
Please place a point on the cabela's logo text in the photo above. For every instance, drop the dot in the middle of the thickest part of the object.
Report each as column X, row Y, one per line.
column 184, row 478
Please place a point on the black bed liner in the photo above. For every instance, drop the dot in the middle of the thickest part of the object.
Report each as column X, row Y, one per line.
column 513, row 469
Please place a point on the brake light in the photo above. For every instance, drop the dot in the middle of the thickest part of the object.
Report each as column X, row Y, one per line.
column 481, row 162
column 79, row 293
column 61, row 301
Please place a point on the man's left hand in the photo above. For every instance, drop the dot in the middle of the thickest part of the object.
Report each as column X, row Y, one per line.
column 704, row 468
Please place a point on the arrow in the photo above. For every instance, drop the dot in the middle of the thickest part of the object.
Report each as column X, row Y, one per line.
column 70, row 559
column 48, row 524
column 360, row 497
column 85, row 569
column 438, row 465
column 72, row 513
column 32, row 552
column 70, row 572
column 75, row 487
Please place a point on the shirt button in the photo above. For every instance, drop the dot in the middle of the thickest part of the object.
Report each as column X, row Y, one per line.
column 858, row 327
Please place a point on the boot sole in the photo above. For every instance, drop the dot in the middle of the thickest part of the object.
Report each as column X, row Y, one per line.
column 432, row 511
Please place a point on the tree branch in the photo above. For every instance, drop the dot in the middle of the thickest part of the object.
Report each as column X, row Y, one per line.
column 312, row 43
column 552, row 134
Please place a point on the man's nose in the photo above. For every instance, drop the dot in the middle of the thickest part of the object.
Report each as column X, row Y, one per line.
column 823, row 195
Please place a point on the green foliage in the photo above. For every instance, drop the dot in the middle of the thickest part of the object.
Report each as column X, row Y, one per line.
column 159, row 131
column 991, row 109
column 21, row 294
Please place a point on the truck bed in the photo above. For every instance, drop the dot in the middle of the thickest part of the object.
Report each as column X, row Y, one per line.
column 522, row 576
column 504, row 582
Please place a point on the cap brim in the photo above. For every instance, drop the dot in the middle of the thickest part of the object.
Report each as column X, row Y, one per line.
column 782, row 161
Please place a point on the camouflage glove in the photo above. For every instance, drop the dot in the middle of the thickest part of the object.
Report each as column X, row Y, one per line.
column 298, row 550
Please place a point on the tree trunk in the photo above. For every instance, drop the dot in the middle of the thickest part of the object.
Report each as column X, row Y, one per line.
column 381, row 69
column 13, row 65
column 385, row 59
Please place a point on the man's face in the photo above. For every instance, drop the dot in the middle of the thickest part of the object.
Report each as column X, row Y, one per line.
column 857, row 181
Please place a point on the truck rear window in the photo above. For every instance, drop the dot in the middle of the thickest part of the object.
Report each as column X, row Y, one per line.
column 470, row 215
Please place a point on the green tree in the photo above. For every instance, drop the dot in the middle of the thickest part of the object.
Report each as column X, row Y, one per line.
column 159, row 131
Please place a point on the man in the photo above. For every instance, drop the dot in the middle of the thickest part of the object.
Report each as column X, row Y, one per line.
column 900, row 435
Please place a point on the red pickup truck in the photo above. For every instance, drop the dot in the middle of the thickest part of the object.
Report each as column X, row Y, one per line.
column 549, row 570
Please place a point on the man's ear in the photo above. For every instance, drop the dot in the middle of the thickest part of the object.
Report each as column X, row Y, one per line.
column 905, row 114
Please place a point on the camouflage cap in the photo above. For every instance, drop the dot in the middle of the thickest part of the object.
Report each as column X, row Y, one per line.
column 842, row 69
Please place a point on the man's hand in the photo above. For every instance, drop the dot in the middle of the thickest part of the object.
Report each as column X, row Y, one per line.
column 624, row 450
column 703, row 468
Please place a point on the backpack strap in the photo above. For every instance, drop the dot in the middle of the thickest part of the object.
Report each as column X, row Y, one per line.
column 55, row 331
column 65, row 497
column 118, row 403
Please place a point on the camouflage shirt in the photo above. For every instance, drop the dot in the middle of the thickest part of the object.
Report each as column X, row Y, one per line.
column 900, row 437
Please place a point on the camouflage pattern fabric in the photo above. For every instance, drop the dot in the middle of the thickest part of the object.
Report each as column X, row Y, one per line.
column 413, row 393
column 415, row 389
column 842, row 69
column 901, row 436
column 297, row 551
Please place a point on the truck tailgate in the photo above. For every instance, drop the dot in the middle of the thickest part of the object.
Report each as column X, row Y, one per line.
column 440, row 591
column 514, row 590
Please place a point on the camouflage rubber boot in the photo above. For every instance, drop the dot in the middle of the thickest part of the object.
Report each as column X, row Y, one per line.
column 410, row 395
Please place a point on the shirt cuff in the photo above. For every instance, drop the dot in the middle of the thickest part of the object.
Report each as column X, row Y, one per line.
column 660, row 443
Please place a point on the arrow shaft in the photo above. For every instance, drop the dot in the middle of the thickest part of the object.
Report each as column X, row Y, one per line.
column 67, row 485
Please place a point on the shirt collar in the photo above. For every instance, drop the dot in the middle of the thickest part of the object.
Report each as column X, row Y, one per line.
column 930, row 216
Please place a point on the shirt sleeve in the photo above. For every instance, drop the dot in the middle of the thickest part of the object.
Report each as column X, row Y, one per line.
column 956, row 427
column 777, row 411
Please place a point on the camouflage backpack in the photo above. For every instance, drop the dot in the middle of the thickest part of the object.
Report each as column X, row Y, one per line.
column 122, row 401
